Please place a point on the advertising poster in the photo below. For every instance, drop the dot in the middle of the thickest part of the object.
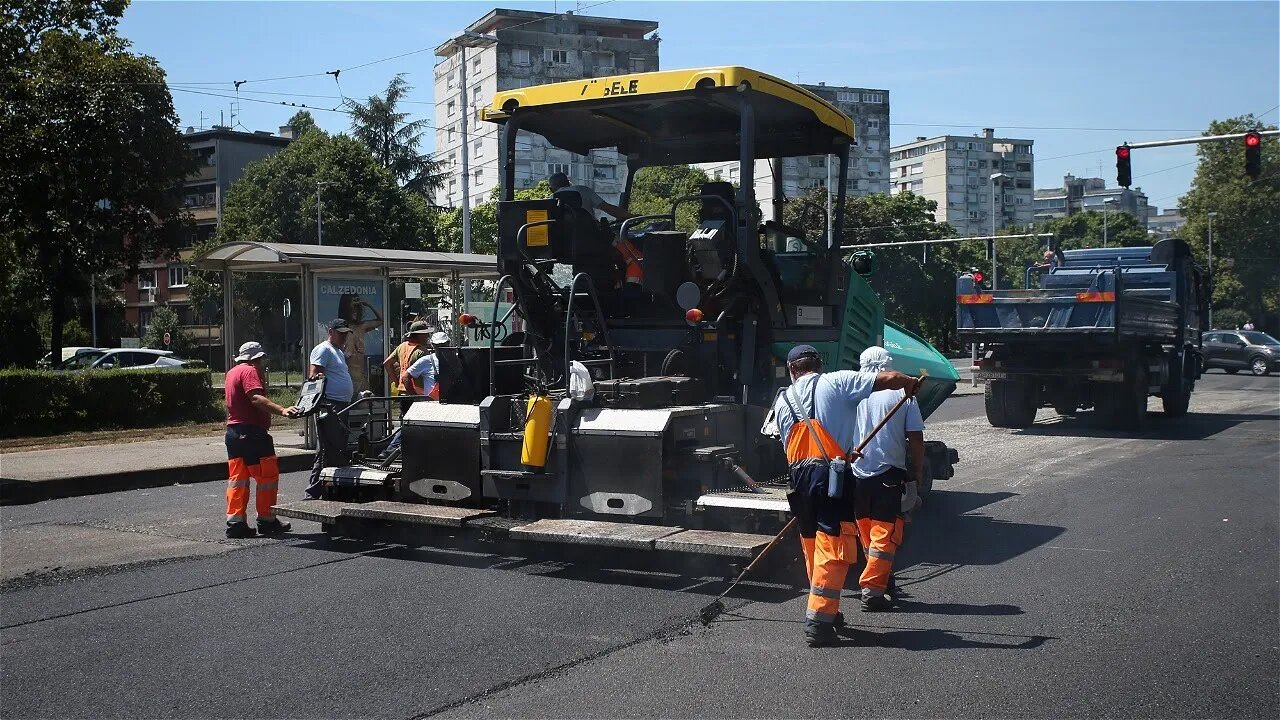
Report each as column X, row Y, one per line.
column 359, row 302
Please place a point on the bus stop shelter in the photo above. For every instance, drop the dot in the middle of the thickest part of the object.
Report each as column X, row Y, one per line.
column 314, row 263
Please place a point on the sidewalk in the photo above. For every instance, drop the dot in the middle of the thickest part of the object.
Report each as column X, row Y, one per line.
column 36, row 475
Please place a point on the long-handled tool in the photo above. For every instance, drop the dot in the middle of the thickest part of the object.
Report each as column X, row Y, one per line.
column 712, row 611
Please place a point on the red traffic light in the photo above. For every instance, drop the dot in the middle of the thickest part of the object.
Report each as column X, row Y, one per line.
column 1252, row 140
column 978, row 276
column 1122, row 152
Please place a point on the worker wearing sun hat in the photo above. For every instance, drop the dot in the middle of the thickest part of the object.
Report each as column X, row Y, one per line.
column 250, row 450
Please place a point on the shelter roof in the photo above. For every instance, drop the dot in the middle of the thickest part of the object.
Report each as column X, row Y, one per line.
column 290, row 258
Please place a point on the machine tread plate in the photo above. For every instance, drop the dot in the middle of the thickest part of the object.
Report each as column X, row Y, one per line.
column 772, row 499
column 414, row 513
column 714, row 542
column 321, row 511
column 594, row 532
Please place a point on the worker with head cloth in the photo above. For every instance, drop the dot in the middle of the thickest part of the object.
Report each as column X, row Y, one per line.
column 817, row 422
column 884, row 491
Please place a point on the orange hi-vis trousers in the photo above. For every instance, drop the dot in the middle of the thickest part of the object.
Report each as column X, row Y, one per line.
column 878, row 508
column 251, row 454
column 826, row 560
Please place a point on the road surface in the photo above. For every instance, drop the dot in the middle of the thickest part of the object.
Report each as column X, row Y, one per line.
column 1063, row 572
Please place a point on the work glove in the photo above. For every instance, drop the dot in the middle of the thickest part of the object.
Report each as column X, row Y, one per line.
column 910, row 498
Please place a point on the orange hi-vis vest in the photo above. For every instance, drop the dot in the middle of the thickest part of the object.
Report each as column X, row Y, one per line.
column 633, row 258
column 404, row 354
column 808, row 439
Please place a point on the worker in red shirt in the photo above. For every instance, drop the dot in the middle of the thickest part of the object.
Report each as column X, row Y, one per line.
column 250, row 450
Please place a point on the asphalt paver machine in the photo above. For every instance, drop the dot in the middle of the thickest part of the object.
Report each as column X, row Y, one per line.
column 681, row 320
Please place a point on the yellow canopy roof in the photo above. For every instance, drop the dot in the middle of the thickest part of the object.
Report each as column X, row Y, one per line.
column 676, row 116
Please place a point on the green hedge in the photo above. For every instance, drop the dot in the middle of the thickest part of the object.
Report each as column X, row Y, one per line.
column 44, row 402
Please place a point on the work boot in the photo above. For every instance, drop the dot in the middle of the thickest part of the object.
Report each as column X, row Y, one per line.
column 874, row 601
column 239, row 530
column 839, row 619
column 272, row 526
column 820, row 634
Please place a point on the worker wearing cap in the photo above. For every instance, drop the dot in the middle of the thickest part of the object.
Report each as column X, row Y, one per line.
column 423, row 374
column 328, row 360
column 408, row 352
column 884, row 490
column 250, row 450
column 817, row 422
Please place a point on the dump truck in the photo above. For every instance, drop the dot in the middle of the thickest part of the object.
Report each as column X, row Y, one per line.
column 682, row 361
column 1101, row 328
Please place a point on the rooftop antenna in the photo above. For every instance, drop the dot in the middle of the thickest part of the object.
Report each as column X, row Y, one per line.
column 202, row 120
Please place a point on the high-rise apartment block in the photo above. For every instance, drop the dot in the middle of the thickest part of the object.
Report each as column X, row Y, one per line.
column 1089, row 194
column 509, row 49
column 969, row 177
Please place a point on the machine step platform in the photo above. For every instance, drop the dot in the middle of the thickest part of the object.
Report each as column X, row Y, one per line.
column 418, row 513
column 772, row 499
column 321, row 511
column 594, row 532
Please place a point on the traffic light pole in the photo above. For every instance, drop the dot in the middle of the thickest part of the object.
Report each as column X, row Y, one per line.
column 1198, row 140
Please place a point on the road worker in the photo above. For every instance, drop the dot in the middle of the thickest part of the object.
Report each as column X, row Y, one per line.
column 328, row 360
column 817, row 422
column 884, row 490
column 406, row 354
column 424, row 376
column 250, row 451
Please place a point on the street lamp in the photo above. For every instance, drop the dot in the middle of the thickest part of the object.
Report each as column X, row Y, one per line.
column 1105, row 203
column 319, row 218
column 995, row 181
column 459, row 44
column 1212, row 215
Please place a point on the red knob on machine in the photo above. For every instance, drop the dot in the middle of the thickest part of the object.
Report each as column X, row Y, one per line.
column 467, row 319
column 693, row 316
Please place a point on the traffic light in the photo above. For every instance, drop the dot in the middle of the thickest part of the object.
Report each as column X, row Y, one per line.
column 1252, row 155
column 1124, row 173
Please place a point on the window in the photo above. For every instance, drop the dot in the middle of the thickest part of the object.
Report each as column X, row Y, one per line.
column 873, row 146
column 975, row 215
column 451, row 79
column 553, row 168
column 477, row 148
column 873, row 166
column 603, row 61
column 604, row 172
column 146, row 279
column 852, row 183
column 982, row 164
column 557, row 57
column 872, row 125
column 452, row 108
column 520, row 56
column 178, row 275
column 817, row 161
column 477, row 176
column 637, row 64
column 449, row 134
column 453, row 159
column 973, row 164
column 872, row 97
column 1024, row 184
column 475, row 64
column 475, row 95
column 1023, row 167
column 995, row 164
column 845, row 96
column 917, row 169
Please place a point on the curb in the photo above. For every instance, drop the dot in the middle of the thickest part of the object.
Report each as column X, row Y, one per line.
column 23, row 492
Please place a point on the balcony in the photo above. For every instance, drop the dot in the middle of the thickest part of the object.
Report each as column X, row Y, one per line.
column 204, row 335
column 206, row 172
column 204, row 213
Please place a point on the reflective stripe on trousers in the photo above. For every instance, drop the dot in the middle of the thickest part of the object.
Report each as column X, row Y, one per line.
column 827, row 559
column 266, row 473
column 881, row 540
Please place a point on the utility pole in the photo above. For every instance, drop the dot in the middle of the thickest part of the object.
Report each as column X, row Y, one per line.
column 1212, row 215
column 996, row 178
column 831, row 236
column 466, row 172
column 93, row 307
column 319, row 217
column 1105, row 204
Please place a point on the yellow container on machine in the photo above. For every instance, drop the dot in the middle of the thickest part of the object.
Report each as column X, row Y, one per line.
column 537, row 427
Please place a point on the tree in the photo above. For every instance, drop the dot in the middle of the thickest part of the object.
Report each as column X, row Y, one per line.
column 387, row 132
column 654, row 189
column 303, row 122
column 1246, row 263
column 484, row 222
column 91, row 159
column 165, row 320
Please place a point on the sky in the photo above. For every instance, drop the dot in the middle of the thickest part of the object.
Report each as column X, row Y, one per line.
column 1078, row 78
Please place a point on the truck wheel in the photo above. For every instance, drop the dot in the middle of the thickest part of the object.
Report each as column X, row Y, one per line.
column 1258, row 365
column 1010, row 403
column 1176, row 396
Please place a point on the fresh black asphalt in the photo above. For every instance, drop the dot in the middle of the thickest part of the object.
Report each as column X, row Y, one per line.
column 1064, row 572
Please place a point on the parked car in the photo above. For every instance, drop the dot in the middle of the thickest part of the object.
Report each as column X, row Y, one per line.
column 125, row 358
column 67, row 353
column 1236, row 350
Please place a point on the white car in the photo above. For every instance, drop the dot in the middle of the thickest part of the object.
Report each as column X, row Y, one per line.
column 124, row 358
column 67, row 354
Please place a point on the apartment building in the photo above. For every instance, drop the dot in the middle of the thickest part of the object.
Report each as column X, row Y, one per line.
column 530, row 48
column 1089, row 194
column 869, row 159
column 967, row 177
column 223, row 154
column 1164, row 224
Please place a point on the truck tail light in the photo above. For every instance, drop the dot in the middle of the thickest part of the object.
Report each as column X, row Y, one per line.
column 976, row 299
column 1098, row 297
